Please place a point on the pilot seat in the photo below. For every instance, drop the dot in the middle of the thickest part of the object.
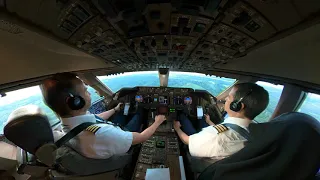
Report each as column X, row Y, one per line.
column 28, row 127
column 285, row 148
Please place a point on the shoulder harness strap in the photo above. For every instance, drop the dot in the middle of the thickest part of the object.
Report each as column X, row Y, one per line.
column 72, row 133
column 93, row 128
column 221, row 128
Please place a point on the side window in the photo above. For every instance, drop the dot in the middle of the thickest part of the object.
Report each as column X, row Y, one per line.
column 311, row 105
column 274, row 96
column 23, row 97
column 30, row 95
column 94, row 95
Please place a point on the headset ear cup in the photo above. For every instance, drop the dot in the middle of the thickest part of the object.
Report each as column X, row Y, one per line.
column 76, row 102
column 235, row 106
column 82, row 102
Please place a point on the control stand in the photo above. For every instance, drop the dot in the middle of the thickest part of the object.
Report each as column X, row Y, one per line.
column 162, row 149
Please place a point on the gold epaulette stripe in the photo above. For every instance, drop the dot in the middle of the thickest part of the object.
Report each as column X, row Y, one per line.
column 224, row 128
column 93, row 128
column 220, row 128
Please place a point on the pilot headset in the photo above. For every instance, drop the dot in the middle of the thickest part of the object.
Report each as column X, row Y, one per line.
column 74, row 102
column 236, row 105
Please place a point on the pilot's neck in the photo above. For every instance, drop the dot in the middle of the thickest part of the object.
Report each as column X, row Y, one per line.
column 239, row 115
column 75, row 113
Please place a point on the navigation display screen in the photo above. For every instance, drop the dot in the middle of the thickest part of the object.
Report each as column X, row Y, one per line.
column 187, row 100
column 163, row 100
column 139, row 98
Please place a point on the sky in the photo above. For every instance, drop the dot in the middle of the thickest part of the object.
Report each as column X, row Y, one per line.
column 35, row 90
column 270, row 85
column 314, row 96
column 19, row 95
column 174, row 73
column 27, row 92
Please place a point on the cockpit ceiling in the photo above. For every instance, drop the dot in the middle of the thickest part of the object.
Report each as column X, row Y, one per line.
column 184, row 35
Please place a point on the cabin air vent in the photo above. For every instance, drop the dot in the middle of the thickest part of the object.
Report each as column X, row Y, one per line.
column 10, row 27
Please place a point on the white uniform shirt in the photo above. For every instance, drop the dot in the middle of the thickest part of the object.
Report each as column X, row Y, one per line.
column 208, row 143
column 106, row 142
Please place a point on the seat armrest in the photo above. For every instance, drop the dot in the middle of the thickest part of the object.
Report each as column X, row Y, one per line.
column 21, row 156
column 197, row 165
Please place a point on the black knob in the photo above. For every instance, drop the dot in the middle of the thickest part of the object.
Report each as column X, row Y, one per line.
column 142, row 43
column 153, row 43
column 132, row 46
column 165, row 42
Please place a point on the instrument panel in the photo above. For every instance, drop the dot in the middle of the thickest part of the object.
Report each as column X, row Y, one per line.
column 164, row 90
column 164, row 96
column 178, row 100
column 162, row 149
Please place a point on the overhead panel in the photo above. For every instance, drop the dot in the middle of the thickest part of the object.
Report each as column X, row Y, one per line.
column 185, row 35
column 282, row 14
column 221, row 44
column 246, row 19
column 75, row 14
column 158, row 17
column 96, row 36
column 187, row 25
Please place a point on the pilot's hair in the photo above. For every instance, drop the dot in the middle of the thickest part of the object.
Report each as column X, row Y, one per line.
column 56, row 89
column 255, row 102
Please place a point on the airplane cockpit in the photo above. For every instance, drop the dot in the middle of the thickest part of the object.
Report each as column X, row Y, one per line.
column 162, row 150
column 160, row 57
column 193, row 102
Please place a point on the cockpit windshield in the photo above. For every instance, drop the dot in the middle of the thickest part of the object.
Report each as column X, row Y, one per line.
column 212, row 84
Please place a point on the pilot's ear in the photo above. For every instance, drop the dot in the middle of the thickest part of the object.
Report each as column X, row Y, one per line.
column 242, row 106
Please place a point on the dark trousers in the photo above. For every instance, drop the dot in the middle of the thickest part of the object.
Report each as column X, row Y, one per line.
column 134, row 125
column 188, row 128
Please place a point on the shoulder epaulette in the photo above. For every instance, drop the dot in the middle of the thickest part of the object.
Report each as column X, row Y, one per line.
column 220, row 128
column 93, row 128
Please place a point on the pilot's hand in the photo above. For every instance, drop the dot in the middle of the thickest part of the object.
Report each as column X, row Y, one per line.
column 207, row 118
column 176, row 125
column 160, row 118
column 117, row 108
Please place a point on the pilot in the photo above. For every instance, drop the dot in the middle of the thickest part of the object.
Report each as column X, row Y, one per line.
column 69, row 98
column 219, row 141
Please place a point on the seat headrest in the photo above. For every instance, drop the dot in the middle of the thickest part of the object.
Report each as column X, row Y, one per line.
column 29, row 128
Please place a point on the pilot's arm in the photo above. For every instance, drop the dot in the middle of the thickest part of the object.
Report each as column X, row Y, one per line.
column 107, row 114
column 109, row 140
column 207, row 118
column 183, row 136
column 147, row 133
